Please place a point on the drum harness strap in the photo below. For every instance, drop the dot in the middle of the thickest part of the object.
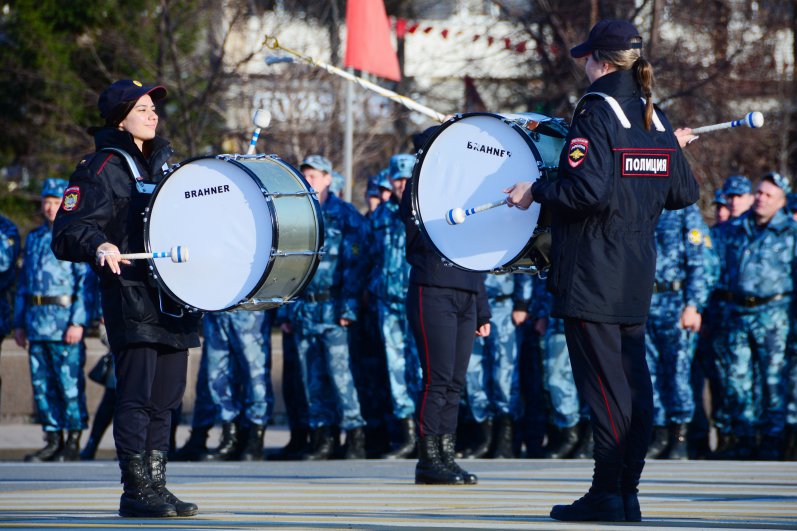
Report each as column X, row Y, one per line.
column 618, row 111
column 143, row 188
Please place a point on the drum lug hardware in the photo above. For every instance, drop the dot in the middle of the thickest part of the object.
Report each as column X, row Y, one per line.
column 298, row 253
column 290, row 194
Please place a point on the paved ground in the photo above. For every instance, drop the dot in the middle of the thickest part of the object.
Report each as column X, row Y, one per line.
column 514, row 494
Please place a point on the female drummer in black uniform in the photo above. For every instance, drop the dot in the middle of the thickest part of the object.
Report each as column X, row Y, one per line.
column 621, row 166
column 101, row 215
column 446, row 308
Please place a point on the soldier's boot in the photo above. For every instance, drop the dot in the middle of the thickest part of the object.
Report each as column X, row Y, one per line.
column 228, row 445
column 377, row 441
column 485, row 430
column 602, row 503
column 504, row 438
column 407, row 442
column 296, row 446
column 195, row 448
column 586, row 443
column 629, row 489
column 790, row 448
column 448, row 444
column 102, row 419
column 323, row 445
column 156, row 462
column 564, row 445
column 679, row 443
column 139, row 499
column 659, row 442
column 253, row 450
column 430, row 469
column 53, row 442
column 71, row 449
column 770, row 448
column 726, row 444
column 355, row 444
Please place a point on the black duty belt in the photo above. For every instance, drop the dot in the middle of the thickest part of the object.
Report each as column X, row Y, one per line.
column 56, row 300
column 501, row 298
column 665, row 287
column 748, row 301
column 321, row 296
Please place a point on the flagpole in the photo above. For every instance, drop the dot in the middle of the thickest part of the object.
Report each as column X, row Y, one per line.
column 348, row 141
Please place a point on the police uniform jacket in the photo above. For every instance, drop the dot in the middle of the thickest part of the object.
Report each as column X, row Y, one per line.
column 101, row 205
column 613, row 183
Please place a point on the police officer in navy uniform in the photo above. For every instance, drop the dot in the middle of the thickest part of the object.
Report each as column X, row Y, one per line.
column 621, row 166
column 101, row 217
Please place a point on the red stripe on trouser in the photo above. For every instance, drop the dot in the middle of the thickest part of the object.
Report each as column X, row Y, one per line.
column 428, row 365
column 608, row 410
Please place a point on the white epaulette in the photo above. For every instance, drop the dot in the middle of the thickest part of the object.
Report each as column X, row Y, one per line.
column 618, row 111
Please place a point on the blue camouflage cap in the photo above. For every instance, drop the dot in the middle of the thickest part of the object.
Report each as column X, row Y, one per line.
column 317, row 162
column 401, row 166
column 737, row 185
column 719, row 199
column 54, row 187
column 338, row 181
column 779, row 180
column 791, row 201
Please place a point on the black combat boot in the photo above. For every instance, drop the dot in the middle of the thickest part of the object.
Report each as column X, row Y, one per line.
column 679, row 444
column 790, row 448
column 296, row 447
column 323, row 444
column 770, row 448
column 448, row 443
column 228, row 445
column 195, row 448
column 603, row 502
column 406, row 444
column 504, row 438
column 71, row 449
column 53, row 443
column 430, row 469
column 485, row 441
column 355, row 444
column 253, row 450
column 156, row 461
column 564, row 443
column 726, row 442
column 658, row 443
column 139, row 499
column 629, row 489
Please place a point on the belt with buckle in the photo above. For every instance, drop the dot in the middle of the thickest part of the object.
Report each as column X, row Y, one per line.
column 748, row 301
column 321, row 296
column 501, row 298
column 56, row 300
column 664, row 287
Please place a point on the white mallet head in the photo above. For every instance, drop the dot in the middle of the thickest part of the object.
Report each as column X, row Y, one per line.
column 455, row 216
column 755, row 119
column 179, row 254
column 261, row 118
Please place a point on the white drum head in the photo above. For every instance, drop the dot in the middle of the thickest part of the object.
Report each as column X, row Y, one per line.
column 469, row 163
column 216, row 210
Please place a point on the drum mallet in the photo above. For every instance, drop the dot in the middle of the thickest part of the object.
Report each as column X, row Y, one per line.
column 753, row 120
column 455, row 216
column 261, row 119
column 178, row 255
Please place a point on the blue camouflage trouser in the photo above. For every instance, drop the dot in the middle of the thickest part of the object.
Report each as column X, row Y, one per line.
column 492, row 379
column 59, row 386
column 234, row 380
column 326, row 370
column 751, row 361
column 669, row 350
column 403, row 364
column 293, row 384
column 791, row 408
column 558, row 377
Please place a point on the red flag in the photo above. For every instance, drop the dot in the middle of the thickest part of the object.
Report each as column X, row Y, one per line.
column 368, row 44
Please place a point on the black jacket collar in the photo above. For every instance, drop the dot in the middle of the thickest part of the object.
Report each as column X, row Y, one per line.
column 620, row 84
column 110, row 137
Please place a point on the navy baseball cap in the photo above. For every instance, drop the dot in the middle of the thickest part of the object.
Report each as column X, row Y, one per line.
column 608, row 34
column 317, row 162
column 737, row 185
column 114, row 100
column 779, row 180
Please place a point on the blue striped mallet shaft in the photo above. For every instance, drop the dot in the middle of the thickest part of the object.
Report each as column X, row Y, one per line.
column 178, row 255
column 753, row 120
column 455, row 216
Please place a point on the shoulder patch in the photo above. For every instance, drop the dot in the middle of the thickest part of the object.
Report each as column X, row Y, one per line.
column 695, row 237
column 577, row 152
column 71, row 198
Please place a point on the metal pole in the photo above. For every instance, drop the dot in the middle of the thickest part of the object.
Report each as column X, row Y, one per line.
column 348, row 141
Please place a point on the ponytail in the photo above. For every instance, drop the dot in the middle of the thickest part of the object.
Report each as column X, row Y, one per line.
column 643, row 71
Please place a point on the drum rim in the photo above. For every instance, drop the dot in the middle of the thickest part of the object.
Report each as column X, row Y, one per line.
column 416, row 172
column 148, row 247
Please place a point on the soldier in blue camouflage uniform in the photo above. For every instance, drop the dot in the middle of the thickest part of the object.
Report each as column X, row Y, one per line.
column 738, row 193
column 320, row 318
column 680, row 293
column 790, row 450
column 233, row 386
column 387, row 290
column 378, row 190
column 721, row 211
column 758, row 252
column 492, row 387
column 50, row 313
column 9, row 250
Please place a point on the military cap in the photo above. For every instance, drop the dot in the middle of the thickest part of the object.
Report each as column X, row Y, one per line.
column 114, row 100
column 779, row 180
column 401, row 166
column 317, row 162
column 54, row 187
column 737, row 185
column 610, row 35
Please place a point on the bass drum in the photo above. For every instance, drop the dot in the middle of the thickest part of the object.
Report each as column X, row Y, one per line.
column 252, row 226
column 469, row 161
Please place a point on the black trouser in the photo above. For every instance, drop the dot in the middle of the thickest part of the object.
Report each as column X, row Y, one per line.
column 611, row 374
column 150, row 382
column 443, row 322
